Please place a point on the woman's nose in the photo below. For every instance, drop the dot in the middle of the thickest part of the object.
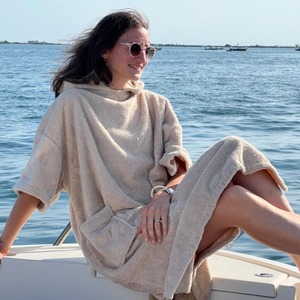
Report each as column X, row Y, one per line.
column 142, row 55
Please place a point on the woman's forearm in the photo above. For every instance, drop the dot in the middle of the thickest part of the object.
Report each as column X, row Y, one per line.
column 181, row 171
column 22, row 210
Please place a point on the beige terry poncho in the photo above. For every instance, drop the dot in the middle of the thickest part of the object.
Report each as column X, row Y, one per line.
column 108, row 149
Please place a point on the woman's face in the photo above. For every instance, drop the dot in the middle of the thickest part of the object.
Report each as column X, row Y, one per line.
column 121, row 64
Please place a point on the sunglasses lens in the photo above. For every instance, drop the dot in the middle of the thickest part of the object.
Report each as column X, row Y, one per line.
column 150, row 52
column 135, row 49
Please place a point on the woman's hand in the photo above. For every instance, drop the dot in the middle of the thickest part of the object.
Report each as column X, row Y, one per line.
column 22, row 210
column 154, row 222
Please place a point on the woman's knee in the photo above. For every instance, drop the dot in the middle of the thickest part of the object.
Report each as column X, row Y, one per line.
column 228, row 204
column 231, row 206
column 230, row 195
column 262, row 184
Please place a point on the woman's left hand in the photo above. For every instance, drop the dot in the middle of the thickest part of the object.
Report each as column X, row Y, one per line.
column 154, row 222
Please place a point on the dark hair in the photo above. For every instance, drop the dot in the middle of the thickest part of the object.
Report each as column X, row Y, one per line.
column 85, row 63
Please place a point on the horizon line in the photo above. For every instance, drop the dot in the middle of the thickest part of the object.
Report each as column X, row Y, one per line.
column 36, row 42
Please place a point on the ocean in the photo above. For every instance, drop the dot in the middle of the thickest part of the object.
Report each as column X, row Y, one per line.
column 253, row 94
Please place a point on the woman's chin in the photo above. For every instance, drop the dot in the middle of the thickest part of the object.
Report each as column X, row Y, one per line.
column 136, row 77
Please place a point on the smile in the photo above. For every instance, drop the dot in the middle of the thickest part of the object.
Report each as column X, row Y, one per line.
column 136, row 67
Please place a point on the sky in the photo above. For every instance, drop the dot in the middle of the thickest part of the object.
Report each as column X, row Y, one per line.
column 189, row 22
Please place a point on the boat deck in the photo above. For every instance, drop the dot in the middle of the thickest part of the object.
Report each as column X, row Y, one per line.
column 61, row 272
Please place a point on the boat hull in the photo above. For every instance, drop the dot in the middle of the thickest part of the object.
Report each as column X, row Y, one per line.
column 61, row 273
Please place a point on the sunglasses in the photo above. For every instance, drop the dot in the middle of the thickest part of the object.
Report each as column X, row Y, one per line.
column 135, row 49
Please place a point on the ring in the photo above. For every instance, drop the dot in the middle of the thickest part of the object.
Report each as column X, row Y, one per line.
column 160, row 221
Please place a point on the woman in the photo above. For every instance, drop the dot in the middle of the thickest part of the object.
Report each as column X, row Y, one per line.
column 116, row 148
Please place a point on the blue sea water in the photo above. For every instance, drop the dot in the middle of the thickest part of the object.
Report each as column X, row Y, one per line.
column 253, row 94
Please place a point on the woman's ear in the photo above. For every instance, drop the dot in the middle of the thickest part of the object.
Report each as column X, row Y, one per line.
column 105, row 56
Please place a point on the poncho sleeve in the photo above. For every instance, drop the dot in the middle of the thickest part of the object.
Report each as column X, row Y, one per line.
column 172, row 139
column 42, row 177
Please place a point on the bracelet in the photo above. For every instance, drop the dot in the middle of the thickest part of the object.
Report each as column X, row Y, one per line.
column 169, row 191
column 161, row 187
column 3, row 251
column 2, row 244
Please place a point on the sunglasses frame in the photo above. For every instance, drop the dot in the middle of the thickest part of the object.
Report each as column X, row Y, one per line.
column 145, row 48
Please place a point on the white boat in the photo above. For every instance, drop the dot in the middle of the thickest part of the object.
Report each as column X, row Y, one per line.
column 157, row 48
column 297, row 47
column 47, row 272
column 213, row 48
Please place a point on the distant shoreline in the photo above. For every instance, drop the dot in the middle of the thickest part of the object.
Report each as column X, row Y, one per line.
column 157, row 45
column 29, row 43
column 224, row 46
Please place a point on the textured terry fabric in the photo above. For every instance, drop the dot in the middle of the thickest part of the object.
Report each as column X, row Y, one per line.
column 196, row 198
column 108, row 149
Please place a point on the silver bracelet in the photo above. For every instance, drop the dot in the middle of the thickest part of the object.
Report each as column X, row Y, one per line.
column 169, row 191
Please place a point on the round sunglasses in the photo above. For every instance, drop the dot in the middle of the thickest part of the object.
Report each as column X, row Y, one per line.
column 135, row 49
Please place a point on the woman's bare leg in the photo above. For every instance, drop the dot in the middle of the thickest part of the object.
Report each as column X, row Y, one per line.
column 262, row 184
column 266, row 223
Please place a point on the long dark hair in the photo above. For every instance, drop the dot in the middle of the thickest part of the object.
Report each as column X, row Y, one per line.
column 85, row 63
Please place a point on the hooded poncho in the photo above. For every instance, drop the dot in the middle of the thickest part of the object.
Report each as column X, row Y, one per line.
column 108, row 149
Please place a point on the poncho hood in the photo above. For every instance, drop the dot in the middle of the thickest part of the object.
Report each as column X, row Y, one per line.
column 132, row 88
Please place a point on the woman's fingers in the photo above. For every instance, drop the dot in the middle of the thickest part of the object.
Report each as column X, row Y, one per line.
column 161, row 224
column 158, row 227
column 164, row 222
column 143, row 226
column 147, row 225
column 150, row 230
column 154, row 222
column 150, row 224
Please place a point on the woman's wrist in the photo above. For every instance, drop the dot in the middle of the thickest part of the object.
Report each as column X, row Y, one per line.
column 162, row 196
column 156, row 189
column 169, row 191
column 4, row 248
column 162, row 189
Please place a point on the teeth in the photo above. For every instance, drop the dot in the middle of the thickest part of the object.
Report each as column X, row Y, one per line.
column 135, row 67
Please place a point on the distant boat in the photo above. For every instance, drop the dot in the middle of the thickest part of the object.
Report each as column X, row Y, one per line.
column 237, row 48
column 213, row 48
column 157, row 48
column 297, row 47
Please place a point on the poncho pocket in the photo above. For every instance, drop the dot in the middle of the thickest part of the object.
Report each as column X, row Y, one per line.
column 111, row 235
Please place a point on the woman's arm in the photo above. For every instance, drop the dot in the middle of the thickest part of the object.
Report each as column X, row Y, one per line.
column 176, row 179
column 158, row 209
column 22, row 210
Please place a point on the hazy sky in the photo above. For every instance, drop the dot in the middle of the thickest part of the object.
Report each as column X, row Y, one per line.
column 216, row 22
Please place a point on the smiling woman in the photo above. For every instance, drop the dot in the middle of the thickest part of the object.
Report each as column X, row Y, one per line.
column 128, row 65
column 87, row 58
column 143, row 215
